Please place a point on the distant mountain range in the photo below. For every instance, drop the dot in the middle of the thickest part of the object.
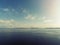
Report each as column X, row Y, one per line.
column 33, row 28
column 53, row 28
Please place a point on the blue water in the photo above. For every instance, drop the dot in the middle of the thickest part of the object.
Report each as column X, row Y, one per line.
column 13, row 36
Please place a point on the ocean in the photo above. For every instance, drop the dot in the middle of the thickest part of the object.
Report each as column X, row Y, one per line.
column 17, row 36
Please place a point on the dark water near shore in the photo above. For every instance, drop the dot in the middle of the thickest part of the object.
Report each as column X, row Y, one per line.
column 29, row 36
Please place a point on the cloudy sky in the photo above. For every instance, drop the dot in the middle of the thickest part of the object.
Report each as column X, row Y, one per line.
column 29, row 13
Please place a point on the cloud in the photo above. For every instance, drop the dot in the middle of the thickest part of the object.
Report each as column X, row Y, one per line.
column 12, row 24
column 16, row 24
column 30, row 17
column 13, row 9
column 24, row 11
column 47, row 21
column 6, row 23
column 6, row 9
column 41, row 18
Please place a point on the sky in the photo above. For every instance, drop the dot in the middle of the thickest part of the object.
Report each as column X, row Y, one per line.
column 29, row 13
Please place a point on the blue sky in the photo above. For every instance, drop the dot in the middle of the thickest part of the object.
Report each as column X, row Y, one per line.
column 7, row 7
column 26, row 13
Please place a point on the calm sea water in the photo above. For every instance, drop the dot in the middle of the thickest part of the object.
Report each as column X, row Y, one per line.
column 29, row 36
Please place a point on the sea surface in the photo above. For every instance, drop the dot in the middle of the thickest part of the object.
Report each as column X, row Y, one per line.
column 17, row 36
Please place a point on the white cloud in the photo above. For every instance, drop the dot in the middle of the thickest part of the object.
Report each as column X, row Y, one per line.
column 24, row 11
column 41, row 18
column 15, row 24
column 44, row 18
column 47, row 21
column 7, row 23
column 30, row 17
column 12, row 24
column 6, row 9
column 13, row 9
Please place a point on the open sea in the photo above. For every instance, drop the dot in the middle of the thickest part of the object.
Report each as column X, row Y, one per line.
column 16, row 36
